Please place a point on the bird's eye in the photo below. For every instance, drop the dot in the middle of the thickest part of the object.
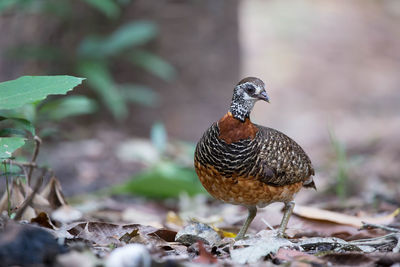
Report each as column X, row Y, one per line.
column 250, row 89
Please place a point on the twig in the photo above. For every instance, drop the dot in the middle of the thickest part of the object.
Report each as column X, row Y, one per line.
column 38, row 141
column 8, row 191
column 21, row 163
column 267, row 224
column 29, row 199
column 376, row 241
column 379, row 226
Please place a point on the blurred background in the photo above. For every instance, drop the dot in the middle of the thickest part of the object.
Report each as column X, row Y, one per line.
column 160, row 72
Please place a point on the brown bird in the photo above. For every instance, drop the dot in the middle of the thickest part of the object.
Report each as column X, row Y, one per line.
column 246, row 164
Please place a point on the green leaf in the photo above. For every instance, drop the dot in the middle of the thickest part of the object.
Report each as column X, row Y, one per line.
column 127, row 36
column 18, row 123
column 153, row 64
column 27, row 89
column 164, row 180
column 9, row 144
column 99, row 78
column 67, row 107
column 27, row 112
column 107, row 7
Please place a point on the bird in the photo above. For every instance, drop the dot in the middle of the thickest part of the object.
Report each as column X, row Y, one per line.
column 242, row 163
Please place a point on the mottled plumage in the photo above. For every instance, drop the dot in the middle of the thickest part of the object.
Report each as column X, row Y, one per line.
column 243, row 163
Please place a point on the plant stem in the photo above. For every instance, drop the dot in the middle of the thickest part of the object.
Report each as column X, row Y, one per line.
column 8, row 190
column 38, row 141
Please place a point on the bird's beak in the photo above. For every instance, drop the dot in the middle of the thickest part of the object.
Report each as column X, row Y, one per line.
column 263, row 96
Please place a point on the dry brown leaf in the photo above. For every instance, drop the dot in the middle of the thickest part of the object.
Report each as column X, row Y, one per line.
column 340, row 218
column 128, row 236
column 165, row 234
column 305, row 227
column 17, row 197
column 38, row 200
column 3, row 202
column 349, row 259
column 292, row 255
column 43, row 220
column 53, row 193
column 204, row 257
column 104, row 234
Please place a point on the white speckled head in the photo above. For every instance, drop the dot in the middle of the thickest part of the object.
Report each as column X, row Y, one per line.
column 246, row 93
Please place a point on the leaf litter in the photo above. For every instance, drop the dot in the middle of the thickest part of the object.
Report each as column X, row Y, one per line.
column 199, row 232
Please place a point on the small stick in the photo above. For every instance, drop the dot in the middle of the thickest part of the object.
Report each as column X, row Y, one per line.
column 8, row 190
column 379, row 226
column 267, row 224
column 21, row 163
column 29, row 199
column 38, row 141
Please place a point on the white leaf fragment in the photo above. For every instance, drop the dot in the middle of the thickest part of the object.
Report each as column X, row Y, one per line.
column 258, row 247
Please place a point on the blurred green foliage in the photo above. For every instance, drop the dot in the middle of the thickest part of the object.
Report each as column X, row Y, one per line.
column 93, row 55
column 163, row 180
column 342, row 176
column 344, row 165
column 166, row 176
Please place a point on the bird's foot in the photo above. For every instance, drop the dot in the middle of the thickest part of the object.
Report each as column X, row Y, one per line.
column 281, row 234
column 239, row 236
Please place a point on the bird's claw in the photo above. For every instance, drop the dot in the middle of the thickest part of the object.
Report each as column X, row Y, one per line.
column 281, row 234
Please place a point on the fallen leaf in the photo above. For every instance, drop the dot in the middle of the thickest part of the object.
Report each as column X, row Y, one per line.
column 165, row 234
column 129, row 255
column 304, row 227
column 340, row 218
column 43, row 220
column 17, row 197
column 195, row 232
column 105, row 234
column 291, row 255
column 204, row 257
column 101, row 233
column 349, row 259
column 257, row 247
column 128, row 236
column 66, row 214
column 38, row 201
column 53, row 193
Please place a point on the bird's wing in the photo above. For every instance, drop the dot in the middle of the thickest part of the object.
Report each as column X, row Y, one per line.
column 281, row 160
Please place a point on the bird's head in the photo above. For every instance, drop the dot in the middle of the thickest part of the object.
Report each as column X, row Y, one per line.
column 246, row 93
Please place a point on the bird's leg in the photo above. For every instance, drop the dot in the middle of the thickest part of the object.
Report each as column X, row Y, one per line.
column 250, row 217
column 286, row 215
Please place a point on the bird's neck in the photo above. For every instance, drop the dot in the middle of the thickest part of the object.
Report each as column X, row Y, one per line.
column 233, row 130
column 240, row 109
